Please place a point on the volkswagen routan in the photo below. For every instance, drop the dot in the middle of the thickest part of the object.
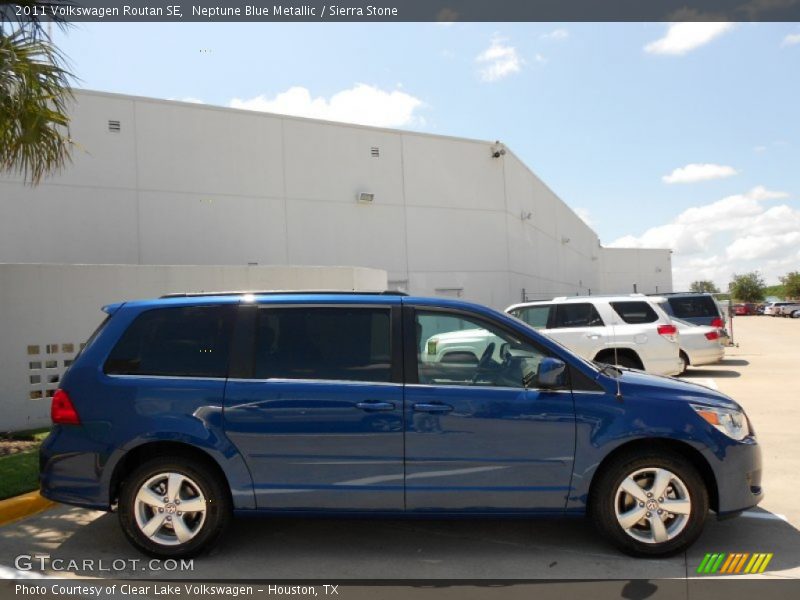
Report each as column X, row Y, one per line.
column 184, row 411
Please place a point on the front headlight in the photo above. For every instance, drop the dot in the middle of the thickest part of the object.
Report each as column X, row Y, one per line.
column 732, row 423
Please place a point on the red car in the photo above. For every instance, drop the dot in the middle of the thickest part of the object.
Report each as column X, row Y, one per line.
column 741, row 310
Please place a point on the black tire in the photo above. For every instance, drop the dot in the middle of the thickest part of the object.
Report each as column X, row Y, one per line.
column 207, row 527
column 604, row 497
column 684, row 362
column 621, row 360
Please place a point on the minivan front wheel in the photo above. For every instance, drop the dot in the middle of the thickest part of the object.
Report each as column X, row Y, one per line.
column 653, row 505
column 173, row 507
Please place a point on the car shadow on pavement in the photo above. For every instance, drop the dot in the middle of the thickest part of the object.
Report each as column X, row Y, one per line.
column 734, row 362
column 398, row 548
column 700, row 372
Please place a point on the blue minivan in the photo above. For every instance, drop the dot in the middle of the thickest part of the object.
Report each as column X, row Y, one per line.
column 185, row 410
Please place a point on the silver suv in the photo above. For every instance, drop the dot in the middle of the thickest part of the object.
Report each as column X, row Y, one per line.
column 629, row 331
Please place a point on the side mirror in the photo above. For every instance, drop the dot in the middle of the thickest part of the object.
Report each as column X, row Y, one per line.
column 551, row 373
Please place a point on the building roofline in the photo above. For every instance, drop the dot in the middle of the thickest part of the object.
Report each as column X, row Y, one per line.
column 229, row 109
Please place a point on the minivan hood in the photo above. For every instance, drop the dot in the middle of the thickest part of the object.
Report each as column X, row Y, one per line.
column 635, row 382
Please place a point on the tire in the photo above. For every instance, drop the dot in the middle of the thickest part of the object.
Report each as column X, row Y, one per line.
column 141, row 505
column 609, row 503
column 684, row 362
column 622, row 360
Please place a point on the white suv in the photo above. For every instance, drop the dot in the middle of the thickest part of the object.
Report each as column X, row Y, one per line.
column 630, row 331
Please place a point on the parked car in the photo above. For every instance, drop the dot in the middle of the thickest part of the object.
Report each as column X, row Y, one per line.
column 745, row 309
column 700, row 344
column 185, row 410
column 696, row 308
column 788, row 309
column 629, row 331
column 774, row 309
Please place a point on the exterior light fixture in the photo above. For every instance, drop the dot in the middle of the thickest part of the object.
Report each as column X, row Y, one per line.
column 366, row 197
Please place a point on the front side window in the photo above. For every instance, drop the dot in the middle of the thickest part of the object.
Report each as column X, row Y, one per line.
column 535, row 316
column 577, row 315
column 346, row 344
column 635, row 312
column 189, row 341
column 458, row 350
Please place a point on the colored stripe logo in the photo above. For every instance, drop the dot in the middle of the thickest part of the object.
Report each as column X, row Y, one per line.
column 735, row 563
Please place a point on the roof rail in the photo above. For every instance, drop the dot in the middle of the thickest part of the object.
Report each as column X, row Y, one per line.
column 588, row 297
column 279, row 292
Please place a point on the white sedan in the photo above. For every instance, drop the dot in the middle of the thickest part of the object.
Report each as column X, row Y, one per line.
column 700, row 344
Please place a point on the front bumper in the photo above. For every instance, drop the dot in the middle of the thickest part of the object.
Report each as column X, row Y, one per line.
column 739, row 478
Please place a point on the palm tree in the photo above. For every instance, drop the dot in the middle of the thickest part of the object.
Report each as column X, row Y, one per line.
column 34, row 95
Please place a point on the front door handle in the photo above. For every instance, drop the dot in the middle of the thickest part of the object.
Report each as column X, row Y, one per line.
column 374, row 406
column 433, row 408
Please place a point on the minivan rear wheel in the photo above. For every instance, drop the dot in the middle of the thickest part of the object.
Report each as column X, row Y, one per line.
column 651, row 505
column 173, row 508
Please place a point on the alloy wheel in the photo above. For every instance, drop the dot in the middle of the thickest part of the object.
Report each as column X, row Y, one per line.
column 170, row 509
column 652, row 505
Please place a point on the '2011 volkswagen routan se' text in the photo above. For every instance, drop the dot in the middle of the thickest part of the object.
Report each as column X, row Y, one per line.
column 185, row 410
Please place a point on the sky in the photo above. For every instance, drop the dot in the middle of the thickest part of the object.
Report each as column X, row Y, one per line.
column 683, row 136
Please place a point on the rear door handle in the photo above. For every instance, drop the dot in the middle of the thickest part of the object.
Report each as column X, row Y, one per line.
column 374, row 406
column 433, row 408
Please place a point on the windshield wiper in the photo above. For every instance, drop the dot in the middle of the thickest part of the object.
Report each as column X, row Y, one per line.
column 606, row 369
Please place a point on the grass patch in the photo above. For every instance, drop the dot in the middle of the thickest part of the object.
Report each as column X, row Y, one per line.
column 19, row 473
column 29, row 435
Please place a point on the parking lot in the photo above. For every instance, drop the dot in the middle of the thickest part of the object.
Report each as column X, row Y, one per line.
column 762, row 374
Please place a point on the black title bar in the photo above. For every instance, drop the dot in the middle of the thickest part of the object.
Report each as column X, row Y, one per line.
column 400, row 10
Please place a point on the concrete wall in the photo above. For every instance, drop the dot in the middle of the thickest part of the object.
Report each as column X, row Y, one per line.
column 193, row 184
column 649, row 270
column 49, row 310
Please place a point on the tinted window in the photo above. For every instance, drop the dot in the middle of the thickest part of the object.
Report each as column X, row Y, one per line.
column 348, row 344
column 577, row 315
column 635, row 312
column 685, row 307
column 187, row 341
column 535, row 316
column 454, row 350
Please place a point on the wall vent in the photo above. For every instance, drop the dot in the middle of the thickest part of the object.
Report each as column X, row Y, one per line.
column 374, row 152
column 114, row 126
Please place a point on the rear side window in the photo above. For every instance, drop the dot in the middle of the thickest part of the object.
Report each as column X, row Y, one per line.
column 345, row 344
column 693, row 306
column 535, row 316
column 635, row 312
column 577, row 315
column 190, row 341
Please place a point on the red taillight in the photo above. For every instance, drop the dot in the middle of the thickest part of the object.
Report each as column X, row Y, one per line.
column 712, row 335
column 718, row 323
column 667, row 330
column 62, row 412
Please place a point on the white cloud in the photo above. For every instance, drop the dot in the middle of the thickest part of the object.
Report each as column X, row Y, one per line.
column 363, row 104
column 735, row 234
column 499, row 60
column 556, row 35
column 791, row 40
column 760, row 149
column 685, row 37
column 698, row 172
